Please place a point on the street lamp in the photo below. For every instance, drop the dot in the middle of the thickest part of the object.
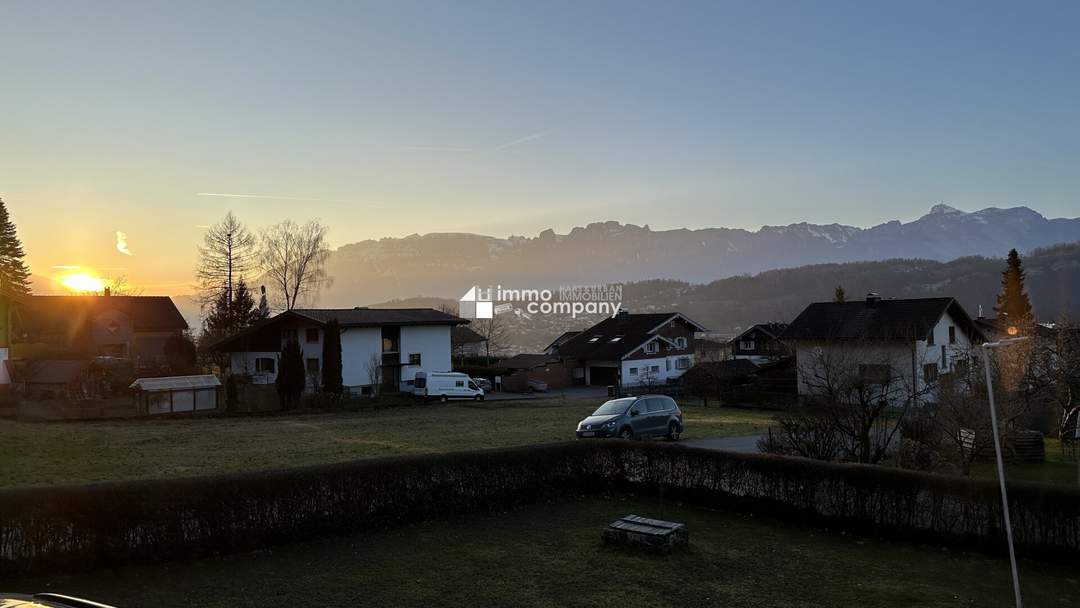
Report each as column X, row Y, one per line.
column 986, row 348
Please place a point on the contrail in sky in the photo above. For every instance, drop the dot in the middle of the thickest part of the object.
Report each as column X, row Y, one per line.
column 498, row 148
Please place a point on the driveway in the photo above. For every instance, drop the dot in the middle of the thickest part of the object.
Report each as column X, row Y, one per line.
column 743, row 443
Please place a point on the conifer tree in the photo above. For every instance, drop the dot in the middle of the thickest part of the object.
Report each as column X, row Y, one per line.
column 331, row 359
column 14, row 275
column 1013, row 302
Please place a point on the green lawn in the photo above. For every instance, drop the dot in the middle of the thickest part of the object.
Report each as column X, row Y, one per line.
column 78, row 452
column 1059, row 468
column 551, row 555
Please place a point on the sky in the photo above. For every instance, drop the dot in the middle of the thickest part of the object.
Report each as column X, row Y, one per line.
column 391, row 118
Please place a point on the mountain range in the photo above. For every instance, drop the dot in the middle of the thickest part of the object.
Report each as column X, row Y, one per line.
column 446, row 264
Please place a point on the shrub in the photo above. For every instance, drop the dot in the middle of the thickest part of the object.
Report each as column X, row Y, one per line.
column 49, row 529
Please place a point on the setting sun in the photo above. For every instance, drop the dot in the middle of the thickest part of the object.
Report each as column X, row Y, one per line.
column 82, row 282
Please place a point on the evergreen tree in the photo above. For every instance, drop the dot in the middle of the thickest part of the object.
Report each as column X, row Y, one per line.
column 14, row 275
column 291, row 377
column 331, row 359
column 1013, row 302
column 219, row 320
column 839, row 295
column 243, row 312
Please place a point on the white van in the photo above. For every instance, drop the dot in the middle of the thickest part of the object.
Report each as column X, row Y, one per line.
column 445, row 386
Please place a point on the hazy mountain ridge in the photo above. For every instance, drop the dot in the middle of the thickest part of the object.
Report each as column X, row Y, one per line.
column 446, row 264
column 729, row 305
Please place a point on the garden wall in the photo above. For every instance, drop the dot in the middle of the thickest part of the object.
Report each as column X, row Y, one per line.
column 44, row 530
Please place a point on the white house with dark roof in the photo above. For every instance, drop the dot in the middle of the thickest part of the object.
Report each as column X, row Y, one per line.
column 403, row 341
column 631, row 349
column 900, row 345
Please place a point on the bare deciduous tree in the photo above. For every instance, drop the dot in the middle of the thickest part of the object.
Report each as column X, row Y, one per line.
column 375, row 373
column 496, row 332
column 227, row 254
column 294, row 260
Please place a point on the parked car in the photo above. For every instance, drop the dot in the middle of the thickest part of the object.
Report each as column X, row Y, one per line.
column 634, row 417
column 445, row 386
column 46, row 600
column 537, row 386
column 483, row 383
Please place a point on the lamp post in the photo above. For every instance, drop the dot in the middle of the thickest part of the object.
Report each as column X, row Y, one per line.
column 986, row 348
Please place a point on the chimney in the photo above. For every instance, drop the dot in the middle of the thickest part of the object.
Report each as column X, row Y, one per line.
column 622, row 312
column 980, row 311
column 107, row 292
column 872, row 299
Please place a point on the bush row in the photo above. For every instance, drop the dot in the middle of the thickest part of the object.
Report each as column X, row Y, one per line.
column 64, row 528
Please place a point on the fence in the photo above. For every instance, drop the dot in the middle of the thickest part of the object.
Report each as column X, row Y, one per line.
column 64, row 528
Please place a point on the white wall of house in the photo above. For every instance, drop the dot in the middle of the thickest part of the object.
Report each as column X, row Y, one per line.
column 358, row 346
column 432, row 343
column 907, row 359
column 658, row 370
column 246, row 363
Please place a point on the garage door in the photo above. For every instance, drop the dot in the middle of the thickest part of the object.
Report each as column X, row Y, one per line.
column 602, row 376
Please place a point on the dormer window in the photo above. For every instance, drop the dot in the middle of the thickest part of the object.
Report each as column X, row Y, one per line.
column 595, row 339
column 615, row 339
column 652, row 347
column 680, row 342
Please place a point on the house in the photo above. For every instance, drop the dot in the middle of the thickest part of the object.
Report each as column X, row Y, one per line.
column 900, row 347
column 84, row 327
column 760, row 343
column 384, row 345
column 465, row 342
column 707, row 349
column 631, row 349
column 523, row 368
column 557, row 342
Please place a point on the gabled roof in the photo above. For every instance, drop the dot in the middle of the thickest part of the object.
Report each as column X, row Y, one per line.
column 249, row 339
column 909, row 319
column 463, row 334
column 773, row 330
column 632, row 331
column 526, row 361
column 562, row 339
column 373, row 317
column 60, row 313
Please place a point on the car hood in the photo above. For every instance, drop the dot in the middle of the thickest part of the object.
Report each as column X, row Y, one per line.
column 596, row 421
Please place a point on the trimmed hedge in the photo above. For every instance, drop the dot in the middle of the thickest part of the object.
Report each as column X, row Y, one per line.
column 66, row 528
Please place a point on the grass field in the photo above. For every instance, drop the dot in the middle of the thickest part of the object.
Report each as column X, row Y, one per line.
column 551, row 555
column 79, row 452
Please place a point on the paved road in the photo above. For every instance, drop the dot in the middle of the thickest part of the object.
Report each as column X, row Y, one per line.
column 744, row 443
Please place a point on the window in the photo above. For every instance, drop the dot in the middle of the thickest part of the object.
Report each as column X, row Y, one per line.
column 311, row 335
column 595, row 339
column 414, row 358
column 930, row 338
column 615, row 339
column 459, row 383
column 871, row 373
column 652, row 347
column 654, row 405
column 655, row 369
column 682, row 363
column 930, row 372
column 633, row 371
column 288, row 335
column 265, row 365
column 680, row 342
column 312, row 366
column 952, row 334
column 746, row 345
column 944, row 357
column 667, row 365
